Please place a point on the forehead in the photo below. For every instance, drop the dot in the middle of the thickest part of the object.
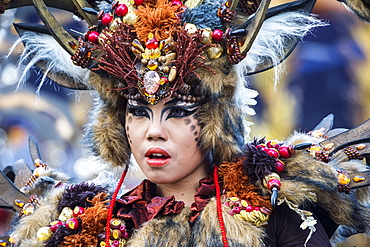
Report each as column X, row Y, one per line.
column 164, row 102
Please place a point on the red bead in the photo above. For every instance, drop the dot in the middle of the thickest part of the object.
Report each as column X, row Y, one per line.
column 176, row 2
column 256, row 208
column 54, row 225
column 77, row 211
column 122, row 228
column 72, row 224
column 273, row 183
column 249, row 208
column 272, row 144
column 279, row 166
column 284, row 152
column 262, row 147
column 217, row 35
column 152, row 43
column 93, row 37
column 125, row 234
column 106, row 19
column 236, row 209
column 138, row 2
column 121, row 10
column 272, row 152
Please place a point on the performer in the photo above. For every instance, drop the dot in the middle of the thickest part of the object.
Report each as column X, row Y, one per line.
column 170, row 83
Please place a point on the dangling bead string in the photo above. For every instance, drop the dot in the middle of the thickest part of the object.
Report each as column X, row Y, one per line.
column 111, row 206
column 219, row 210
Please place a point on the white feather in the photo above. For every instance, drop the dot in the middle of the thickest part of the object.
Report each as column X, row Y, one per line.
column 274, row 36
column 43, row 47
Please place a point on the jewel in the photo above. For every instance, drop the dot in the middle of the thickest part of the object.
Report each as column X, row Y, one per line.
column 19, row 203
column 236, row 209
column 72, row 224
column 171, row 56
column 328, row 146
column 279, row 166
column 172, row 74
column 121, row 10
column 273, row 183
column 151, row 43
column 3, row 243
column 72, row 45
column 77, row 211
column 284, row 152
column 360, row 146
column 66, row 214
column 214, row 52
column 358, row 178
column 106, row 19
column 28, row 209
column 272, row 144
column 154, row 53
column 115, row 223
column 136, row 43
column 272, row 152
column 44, row 233
column 151, row 82
column 343, row 179
column 93, row 37
column 163, row 81
column 138, row 2
column 152, row 64
column 116, row 234
column 244, row 203
column 176, row 2
column 217, row 35
column 191, row 28
column 55, row 224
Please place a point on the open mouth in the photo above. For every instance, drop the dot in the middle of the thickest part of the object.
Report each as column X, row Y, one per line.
column 157, row 157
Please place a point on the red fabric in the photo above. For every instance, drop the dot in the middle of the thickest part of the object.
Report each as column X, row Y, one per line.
column 141, row 204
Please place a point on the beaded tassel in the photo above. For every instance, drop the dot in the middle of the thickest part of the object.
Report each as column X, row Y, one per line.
column 219, row 210
column 111, row 206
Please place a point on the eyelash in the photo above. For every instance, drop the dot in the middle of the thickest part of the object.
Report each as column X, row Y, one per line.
column 138, row 112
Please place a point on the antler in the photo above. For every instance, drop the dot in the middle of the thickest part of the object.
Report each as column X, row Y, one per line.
column 10, row 194
column 255, row 25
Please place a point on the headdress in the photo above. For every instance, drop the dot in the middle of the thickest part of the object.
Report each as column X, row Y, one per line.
column 196, row 51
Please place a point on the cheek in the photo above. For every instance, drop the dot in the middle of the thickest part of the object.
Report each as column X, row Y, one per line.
column 128, row 124
column 193, row 128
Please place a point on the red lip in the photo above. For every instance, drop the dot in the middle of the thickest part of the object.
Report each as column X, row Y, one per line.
column 157, row 157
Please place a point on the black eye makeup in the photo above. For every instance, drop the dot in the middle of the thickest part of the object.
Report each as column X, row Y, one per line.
column 138, row 111
column 179, row 111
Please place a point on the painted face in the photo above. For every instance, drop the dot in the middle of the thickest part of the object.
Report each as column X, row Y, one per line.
column 164, row 140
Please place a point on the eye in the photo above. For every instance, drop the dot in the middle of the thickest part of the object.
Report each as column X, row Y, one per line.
column 179, row 112
column 138, row 111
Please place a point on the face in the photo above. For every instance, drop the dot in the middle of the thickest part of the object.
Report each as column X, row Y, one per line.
column 164, row 140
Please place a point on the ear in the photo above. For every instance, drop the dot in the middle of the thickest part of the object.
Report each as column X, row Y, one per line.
column 42, row 50
column 360, row 7
column 275, row 42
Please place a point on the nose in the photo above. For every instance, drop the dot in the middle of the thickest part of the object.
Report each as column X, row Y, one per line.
column 157, row 131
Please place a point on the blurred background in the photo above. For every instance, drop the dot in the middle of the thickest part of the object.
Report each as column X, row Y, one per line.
column 327, row 73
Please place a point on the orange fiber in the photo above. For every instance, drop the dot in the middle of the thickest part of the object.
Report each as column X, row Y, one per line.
column 161, row 20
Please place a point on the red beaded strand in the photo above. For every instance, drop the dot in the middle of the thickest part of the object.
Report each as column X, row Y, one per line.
column 111, row 206
column 219, row 210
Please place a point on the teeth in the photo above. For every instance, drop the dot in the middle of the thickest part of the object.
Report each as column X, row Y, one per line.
column 157, row 155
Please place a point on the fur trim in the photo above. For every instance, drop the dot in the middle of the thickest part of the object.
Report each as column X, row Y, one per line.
column 28, row 226
column 307, row 179
column 277, row 34
column 359, row 7
column 176, row 231
column 45, row 52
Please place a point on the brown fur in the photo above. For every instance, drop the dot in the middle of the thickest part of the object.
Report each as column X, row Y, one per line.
column 308, row 179
column 360, row 8
column 28, row 226
column 176, row 231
